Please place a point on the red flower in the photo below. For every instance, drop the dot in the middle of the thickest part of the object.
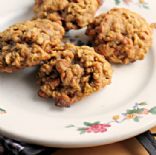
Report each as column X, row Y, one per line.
column 98, row 128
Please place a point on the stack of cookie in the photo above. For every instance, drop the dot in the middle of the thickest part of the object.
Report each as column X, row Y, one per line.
column 68, row 72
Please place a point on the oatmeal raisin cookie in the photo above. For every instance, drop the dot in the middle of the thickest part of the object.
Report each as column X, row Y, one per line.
column 28, row 43
column 121, row 35
column 72, row 73
column 73, row 14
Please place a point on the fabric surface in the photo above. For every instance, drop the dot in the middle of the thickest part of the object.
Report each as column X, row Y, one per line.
column 127, row 147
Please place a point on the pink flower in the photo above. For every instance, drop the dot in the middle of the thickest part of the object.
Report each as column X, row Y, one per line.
column 98, row 128
column 145, row 111
column 127, row 1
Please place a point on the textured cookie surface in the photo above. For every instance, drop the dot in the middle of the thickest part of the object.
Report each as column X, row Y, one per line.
column 28, row 43
column 73, row 14
column 121, row 36
column 72, row 73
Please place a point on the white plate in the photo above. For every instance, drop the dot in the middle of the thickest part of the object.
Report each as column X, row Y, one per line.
column 116, row 113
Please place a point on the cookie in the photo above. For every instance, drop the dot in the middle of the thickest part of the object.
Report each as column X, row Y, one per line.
column 121, row 35
column 73, row 14
column 27, row 44
column 72, row 73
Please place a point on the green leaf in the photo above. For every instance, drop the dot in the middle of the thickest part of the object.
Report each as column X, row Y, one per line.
column 117, row 2
column 82, row 132
column 130, row 111
column 81, row 129
column 98, row 122
column 88, row 124
column 145, row 6
column 135, row 111
column 70, row 126
column 139, row 110
column 136, row 119
column 143, row 103
column 2, row 110
column 153, row 110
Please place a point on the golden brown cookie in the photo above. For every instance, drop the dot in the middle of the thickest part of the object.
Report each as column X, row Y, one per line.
column 73, row 14
column 121, row 35
column 72, row 73
column 28, row 43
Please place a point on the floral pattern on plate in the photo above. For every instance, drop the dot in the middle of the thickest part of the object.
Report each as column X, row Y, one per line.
column 140, row 3
column 2, row 111
column 137, row 112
